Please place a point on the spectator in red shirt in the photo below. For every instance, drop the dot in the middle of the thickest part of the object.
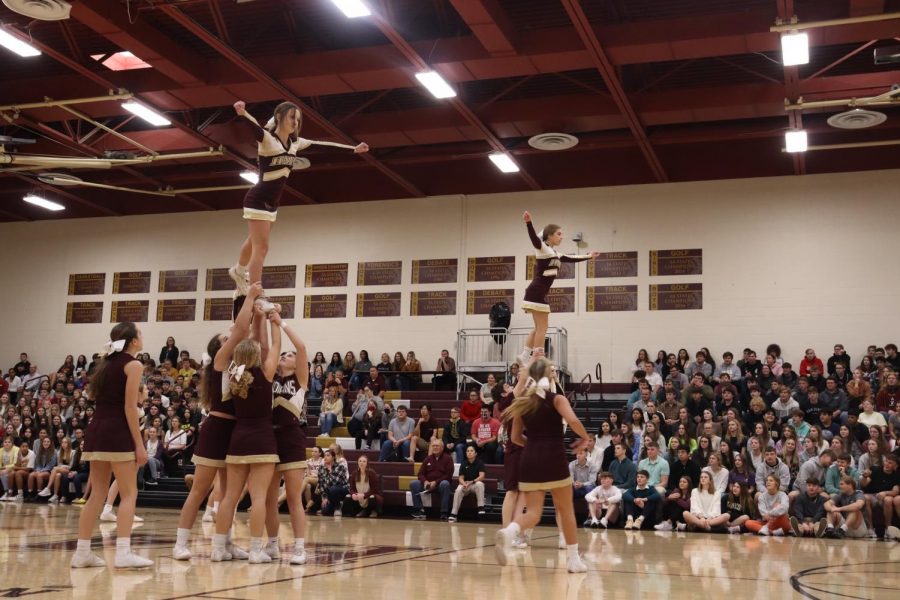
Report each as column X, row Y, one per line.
column 484, row 436
column 471, row 408
column 434, row 476
column 809, row 360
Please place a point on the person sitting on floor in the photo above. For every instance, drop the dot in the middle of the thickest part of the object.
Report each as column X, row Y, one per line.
column 640, row 502
column 808, row 512
column 365, row 490
column 603, row 501
column 845, row 513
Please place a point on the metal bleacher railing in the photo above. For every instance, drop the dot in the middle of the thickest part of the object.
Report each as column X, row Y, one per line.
column 495, row 349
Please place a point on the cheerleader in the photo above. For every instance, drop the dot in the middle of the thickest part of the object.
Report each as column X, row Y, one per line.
column 113, row 445
column 277, row 146
column 546, row 268
column 289, row 418
column 215, row 431
column 252, row 449
column 543, row 466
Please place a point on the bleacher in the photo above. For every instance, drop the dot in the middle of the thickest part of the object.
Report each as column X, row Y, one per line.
column 396, row 476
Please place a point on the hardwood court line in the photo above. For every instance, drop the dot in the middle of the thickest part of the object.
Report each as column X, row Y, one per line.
column 798, row 585
column 444, row 562
column 330, row 572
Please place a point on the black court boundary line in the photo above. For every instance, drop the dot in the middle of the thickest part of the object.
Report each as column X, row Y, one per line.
column 330, row 572
column 622, row 572
column 798, row 585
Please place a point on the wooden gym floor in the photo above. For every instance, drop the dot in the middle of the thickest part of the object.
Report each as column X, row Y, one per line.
column 404, row 559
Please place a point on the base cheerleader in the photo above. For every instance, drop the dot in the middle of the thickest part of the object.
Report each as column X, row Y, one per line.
column 543, row 465
column 546, row 268
column 252, row 450
column 215, row 431
column 277, row 146
column 289, row 420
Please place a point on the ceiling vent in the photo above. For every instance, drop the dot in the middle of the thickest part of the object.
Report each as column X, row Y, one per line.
column 857, row 119
column 553, row 141
column 42, row 10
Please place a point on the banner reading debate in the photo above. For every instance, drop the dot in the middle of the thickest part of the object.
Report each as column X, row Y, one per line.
column 479, row 302
column 435, row 270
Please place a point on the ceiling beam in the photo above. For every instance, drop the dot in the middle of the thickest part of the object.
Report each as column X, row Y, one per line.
column 490, row 24
column 420, row 65
column 610, row 78
column 248, row 67
column 109, row 19
column 207, row 142
column 543, row 51
column 579, row 113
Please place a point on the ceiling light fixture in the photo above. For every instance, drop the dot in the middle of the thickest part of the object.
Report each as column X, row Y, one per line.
column 503, row 162
column 795, row 141
column 121, row 61
column 151, row 116
column 353, row 8
column 436, row 84
column 43, row 202
column 794, row 49
column 10, row 42
column 250, row 176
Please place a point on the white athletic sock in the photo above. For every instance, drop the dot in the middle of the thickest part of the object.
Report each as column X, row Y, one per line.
column 182, row 536
column 273, row 540
column 83, row 546
column 215, row 506
column 256, row 544
column 299, row 545
column 123, row 546
column 107, row 507
column 514, row 528
column 219, row 540
column 844, row 527
column 572, row 550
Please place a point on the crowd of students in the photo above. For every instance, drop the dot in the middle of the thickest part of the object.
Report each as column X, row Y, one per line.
column 743, row 445
column 752, row 447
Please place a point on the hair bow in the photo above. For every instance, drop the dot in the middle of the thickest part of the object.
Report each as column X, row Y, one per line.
column 112, row 347
column 205, row 360
column 543, row 386
column 236, row 371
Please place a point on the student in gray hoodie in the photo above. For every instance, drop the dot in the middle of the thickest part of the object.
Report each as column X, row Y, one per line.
column 773, row 508
column 772, row 465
